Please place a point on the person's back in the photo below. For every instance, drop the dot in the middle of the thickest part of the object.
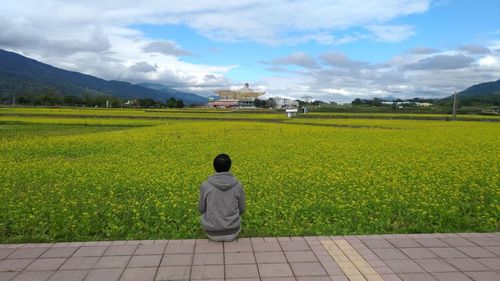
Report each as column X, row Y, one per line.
column 222, row 202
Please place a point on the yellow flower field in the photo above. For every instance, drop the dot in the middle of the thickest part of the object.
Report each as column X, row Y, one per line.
column 74, row 179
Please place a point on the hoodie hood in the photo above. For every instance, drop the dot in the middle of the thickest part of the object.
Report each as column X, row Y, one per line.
column 223, row 181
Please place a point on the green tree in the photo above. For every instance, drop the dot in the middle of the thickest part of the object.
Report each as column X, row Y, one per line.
column 357, row 101
column 48, row 99
column 24, row 99
column 72, row 100
column 259, row 103
column 271, row 102
column 148, row 102
column 179, row 103
column 171, row 102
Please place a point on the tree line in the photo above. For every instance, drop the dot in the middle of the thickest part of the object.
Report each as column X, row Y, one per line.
column 88, row 100
column 485, row 100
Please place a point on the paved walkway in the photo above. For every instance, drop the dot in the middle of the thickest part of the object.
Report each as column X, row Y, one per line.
column 417, row 257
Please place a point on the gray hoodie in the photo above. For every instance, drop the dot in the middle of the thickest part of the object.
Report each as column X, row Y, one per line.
column 222, row 202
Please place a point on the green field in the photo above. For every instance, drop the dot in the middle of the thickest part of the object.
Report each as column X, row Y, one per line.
column 97, row 174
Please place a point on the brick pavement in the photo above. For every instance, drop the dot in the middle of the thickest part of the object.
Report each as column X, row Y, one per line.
column 443, row 257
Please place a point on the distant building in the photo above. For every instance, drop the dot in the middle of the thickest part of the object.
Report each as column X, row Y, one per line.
column 285, row 103
column 424, row 104
column 132, row 103
column 407, row 103
column 242, row 98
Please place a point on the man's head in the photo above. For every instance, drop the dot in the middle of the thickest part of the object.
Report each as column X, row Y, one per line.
column 222, row 163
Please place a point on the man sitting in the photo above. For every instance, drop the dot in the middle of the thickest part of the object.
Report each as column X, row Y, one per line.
column 222, row 202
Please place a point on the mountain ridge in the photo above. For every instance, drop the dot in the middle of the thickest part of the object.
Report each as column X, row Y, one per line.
column 190, row 98
column 482, row 88
column 20, row 74
column 486, row 93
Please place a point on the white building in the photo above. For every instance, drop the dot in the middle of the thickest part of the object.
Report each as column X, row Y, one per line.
column 284, row 102
column 401, row 103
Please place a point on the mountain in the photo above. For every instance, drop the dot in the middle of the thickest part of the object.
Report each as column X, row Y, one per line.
column 483, row 89
column 487, row 93
column 185, row 97
column 22, row 75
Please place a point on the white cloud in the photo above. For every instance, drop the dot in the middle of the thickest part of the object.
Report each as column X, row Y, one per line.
column 340, row 91
column 488, row 61
column 422, row 51
column 143, row 67
column 298, row 58
column 275, row 22
column 391, row 33
column 442, row 62
column 475, row 49
column 411, row 74
column 103, row 49
column 315, row 20
column 340, row 60
column 166, row 47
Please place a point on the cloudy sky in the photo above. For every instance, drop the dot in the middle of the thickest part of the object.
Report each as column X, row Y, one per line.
column 331, row 50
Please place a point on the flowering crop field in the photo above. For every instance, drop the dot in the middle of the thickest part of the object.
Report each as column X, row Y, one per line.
column 69, row 178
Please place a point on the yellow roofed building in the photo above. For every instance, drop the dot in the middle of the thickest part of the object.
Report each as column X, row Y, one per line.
column 244, row 97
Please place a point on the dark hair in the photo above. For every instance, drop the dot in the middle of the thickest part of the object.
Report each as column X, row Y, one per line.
column 222, row 163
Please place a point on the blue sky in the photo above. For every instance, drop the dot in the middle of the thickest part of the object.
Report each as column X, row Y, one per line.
column 331, row 50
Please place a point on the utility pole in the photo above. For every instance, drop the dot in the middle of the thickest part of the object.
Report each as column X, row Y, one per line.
column 454, row 117
column 14, row 100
